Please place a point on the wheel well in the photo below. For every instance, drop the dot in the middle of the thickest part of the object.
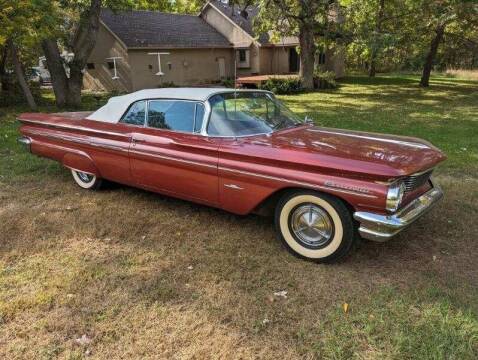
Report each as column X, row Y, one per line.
column 267, row 206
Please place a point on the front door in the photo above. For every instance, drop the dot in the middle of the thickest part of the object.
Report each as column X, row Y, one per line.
column 294, row 60
column 169, row 155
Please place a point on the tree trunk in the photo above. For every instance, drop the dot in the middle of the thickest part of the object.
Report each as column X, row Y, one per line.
column 59, row 80
column 4, row 83
column 378, row 30
column 307, row 55
column 427, row 68
column 21, row 77
column 68, row 89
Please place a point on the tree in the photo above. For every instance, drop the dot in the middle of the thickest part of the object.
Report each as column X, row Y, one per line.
column 22, row 23
column 442, row 15
column 378, row 31
column 21, row 75
column 82, row 21
column 305, row 18
column 67, row 87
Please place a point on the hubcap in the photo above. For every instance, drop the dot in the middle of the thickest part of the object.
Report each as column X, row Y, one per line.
column 311, row 225
column 85, row 177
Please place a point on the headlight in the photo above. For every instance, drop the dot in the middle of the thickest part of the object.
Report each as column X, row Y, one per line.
column 395, row 195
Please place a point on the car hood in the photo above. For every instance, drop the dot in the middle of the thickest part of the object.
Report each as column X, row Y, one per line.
column 359, row 152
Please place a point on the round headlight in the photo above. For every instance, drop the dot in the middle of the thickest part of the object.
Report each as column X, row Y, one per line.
column 395, row 195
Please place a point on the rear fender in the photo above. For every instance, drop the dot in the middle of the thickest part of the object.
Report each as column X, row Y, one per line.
column 80, row 161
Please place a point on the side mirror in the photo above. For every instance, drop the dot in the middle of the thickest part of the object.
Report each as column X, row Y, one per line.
column 308, row 120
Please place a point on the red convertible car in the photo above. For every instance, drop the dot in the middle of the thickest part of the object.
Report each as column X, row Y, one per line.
column 243, row 151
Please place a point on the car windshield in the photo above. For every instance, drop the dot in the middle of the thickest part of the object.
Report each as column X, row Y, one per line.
column 248, row 113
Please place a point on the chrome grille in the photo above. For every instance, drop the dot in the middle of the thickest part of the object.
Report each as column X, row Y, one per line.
column 413, row 182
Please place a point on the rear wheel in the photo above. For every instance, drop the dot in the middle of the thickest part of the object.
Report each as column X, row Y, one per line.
column 85, row 180
column 314, row 226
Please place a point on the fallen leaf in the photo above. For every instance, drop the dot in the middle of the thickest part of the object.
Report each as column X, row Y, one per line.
column 282, row 294
column 345, row 306
column 190, row 267
column 83, row 340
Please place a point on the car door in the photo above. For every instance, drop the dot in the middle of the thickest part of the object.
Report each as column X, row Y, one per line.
column 171, row 156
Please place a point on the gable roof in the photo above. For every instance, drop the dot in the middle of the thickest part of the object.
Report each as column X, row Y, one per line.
column 153, row 29
column 233, row 12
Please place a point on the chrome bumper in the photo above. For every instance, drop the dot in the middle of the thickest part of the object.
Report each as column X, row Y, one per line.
column 25, row 140
column 381, row 228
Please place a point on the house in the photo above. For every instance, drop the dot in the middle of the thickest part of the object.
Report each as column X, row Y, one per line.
column 148, row 49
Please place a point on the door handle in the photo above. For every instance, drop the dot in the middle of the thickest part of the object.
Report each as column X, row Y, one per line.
column 137, row 141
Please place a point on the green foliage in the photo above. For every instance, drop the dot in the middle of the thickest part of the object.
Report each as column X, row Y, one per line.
column 282, row 85
column 325, row 79
column 14, row 96
column 229, row 83
column 406, row 30
column 167, row 84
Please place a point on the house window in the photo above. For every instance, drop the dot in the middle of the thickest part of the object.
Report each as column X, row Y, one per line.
column 321, row 58
column 242, row 57
column 111, row 65
column 90, row 66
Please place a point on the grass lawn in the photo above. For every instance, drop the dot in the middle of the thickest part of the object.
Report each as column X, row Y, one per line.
column 123, row 273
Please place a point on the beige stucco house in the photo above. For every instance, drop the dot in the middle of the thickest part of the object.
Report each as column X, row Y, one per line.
column 217, row 44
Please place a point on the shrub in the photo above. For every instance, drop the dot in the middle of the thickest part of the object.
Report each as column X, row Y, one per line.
column 167, row 84
column 228, row 83
column 324, row 79
column 14, row 95
column 282, row 85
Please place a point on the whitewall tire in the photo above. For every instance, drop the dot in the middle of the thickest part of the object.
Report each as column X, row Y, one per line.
column 85, row 180
column 314, row 226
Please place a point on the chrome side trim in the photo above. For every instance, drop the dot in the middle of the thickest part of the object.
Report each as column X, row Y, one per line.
column 380, row 228
column 77, row 128
column 78, row 140
column 300, row 183
column 233, row 186
column 165, row 157
column 85, row 172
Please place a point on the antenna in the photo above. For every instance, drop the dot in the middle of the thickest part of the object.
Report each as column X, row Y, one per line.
column 114, row 58
column 160, row 72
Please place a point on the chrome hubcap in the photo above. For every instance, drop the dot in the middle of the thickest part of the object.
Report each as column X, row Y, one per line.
column 84, row 177
column 311, row 225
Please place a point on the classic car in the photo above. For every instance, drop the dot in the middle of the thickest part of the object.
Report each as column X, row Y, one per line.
column 243, row 151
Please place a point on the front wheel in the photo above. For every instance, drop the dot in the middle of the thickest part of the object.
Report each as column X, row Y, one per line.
column 85, row 180
column 314, row 226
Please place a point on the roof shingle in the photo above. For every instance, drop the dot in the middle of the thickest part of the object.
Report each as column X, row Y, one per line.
column 153, row 29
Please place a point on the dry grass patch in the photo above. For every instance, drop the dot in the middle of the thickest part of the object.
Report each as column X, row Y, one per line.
column 147, row 276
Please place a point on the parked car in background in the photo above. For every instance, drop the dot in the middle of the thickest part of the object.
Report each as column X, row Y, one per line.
column 244, row 151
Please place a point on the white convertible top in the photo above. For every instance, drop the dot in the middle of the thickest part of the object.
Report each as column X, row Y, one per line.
column 117, row 105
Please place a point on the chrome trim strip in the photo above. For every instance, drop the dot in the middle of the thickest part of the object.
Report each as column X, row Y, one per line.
column 315, row 186
column 85, row 172
column 376, row 138
column 379, row 227
column 75, row 140
column 77, row 128
column 165, row 157
column 233, row 186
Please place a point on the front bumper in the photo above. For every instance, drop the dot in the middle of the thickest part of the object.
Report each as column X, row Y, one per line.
column 381, row 228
